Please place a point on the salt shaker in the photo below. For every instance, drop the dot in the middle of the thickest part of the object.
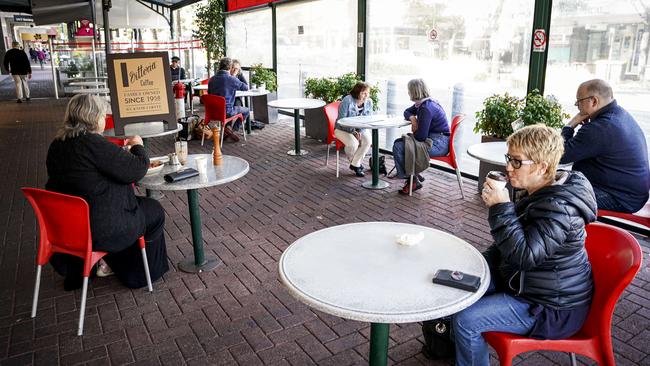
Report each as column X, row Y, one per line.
column 173, row 159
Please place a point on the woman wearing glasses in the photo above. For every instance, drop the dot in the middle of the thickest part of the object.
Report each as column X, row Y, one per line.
column 541, row 277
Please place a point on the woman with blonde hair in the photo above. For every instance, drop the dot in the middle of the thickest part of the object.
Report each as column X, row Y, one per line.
column 81, row 162
column 541, row 277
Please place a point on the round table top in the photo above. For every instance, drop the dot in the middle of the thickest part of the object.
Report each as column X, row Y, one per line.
column 359, row 272
column 91, row 91
column 489, row 152
column 144, row 130
column 200, row 87
column 231, row 168
column 251, row 93
column 296, row 103
column 184, row 81
column 374, row 121
column 87, row 83
column 88, row 78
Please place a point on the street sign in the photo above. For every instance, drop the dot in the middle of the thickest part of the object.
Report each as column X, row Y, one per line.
column 23, row 18
column 539, row 40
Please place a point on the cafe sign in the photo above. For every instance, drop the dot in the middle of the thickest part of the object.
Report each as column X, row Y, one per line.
column 140, row 89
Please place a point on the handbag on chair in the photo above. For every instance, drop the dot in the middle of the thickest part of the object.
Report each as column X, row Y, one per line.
column 438, row 344
column 382, row 165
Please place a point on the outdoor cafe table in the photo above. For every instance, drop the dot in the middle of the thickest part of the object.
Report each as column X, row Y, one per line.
column 231, row 168
column 297, row 104
column 97, row 91
column 374, row 122
column 492, row 157
column 145, row 130
column 96, row 84
column 358, row 272
column 248, row 94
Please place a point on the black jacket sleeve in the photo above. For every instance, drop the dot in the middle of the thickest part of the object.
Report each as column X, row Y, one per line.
column 525, row 247
column 120, row 165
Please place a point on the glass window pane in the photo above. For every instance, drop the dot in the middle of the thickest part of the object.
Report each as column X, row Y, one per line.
column 593, row 39
column 481, row 49
column 248, row 37
column 315, row 38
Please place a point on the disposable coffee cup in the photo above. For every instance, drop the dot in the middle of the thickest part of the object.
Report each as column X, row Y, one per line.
column 201, row 165
column 497, row 179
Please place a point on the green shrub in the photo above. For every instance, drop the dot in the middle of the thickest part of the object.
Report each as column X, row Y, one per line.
column 261, row 75
column 332, row 89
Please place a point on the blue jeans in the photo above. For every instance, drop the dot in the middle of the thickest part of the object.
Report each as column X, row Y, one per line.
column 239, row 109
column 606, row 201
column 440, row 147
column 495, row 311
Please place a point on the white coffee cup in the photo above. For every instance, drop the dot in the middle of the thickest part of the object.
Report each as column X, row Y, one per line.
column 497, row 179
column 201, row 165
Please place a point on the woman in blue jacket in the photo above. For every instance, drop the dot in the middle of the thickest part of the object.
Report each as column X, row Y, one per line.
column 428, row 121
column 357, row 142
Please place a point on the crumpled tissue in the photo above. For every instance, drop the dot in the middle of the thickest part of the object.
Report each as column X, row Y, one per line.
column 410, row 239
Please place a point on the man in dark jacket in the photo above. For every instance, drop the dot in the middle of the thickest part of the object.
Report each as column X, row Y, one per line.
column 609, row 149
column 226, row 85
column 17, row 63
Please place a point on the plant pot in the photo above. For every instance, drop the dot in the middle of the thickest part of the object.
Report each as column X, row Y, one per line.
column 262, row 87
column 316, row 125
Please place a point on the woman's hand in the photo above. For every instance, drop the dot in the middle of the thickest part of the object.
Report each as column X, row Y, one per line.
column 134, row 140
column 414, row 123
column 357, row 135
column 492, row 196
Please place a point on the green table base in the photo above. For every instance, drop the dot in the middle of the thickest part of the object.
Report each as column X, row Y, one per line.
column 379, row 344
column 200, row 263
column 296, row 124
column 375, row 183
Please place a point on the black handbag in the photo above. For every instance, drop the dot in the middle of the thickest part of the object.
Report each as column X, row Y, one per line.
column 382, row 165
column 438, row 344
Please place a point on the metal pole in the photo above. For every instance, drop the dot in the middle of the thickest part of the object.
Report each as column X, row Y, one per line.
column 106, row 6
column 56, row 89
column 361, row 39
column 379, row 344
column 94, row 57
column 195, row 222
column 537, row 65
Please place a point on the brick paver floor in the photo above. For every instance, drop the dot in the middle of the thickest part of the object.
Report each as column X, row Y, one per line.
column 240, row 313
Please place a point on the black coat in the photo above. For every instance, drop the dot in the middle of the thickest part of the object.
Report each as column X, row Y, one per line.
column 538, row 251
column 91, row 167
column 16, row 62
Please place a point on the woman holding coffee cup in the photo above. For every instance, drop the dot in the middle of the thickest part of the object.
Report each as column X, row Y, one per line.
column 81, row 162
column 541, row 277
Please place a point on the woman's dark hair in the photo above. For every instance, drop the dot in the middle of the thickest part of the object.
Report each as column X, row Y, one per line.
column 358, row 88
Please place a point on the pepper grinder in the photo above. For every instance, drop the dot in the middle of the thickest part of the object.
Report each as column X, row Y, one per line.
column 216, row 153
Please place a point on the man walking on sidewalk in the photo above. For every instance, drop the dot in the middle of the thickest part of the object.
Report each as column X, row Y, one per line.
column 17, row 63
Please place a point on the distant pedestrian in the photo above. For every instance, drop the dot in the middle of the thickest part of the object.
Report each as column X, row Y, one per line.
column 33, row 54
column 17, row 63
column 41, row 57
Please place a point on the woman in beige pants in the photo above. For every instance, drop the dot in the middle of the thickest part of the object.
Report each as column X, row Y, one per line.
column 357, row 142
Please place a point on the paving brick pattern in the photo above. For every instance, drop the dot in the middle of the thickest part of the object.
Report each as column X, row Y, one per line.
column 239, row 314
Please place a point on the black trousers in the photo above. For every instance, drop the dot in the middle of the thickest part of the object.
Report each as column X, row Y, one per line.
column 126, row 264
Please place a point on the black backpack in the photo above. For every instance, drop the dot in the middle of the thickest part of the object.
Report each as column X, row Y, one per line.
column 438, row 344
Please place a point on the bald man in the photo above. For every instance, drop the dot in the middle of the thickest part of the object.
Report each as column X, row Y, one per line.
column 609, row 148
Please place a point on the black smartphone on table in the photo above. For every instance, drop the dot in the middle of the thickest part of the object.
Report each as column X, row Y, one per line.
column 457, row 279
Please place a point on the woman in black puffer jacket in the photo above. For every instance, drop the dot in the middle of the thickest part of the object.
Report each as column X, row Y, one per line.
column 541, row 277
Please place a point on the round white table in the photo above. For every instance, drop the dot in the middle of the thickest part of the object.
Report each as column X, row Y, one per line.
column 200, row 87
column 97, row 91
column 247, row 95
column 96, row 84
column 296, row 104
column 231, row 168
column 145, row 130
column 489, row 152
column 374, row 122
column 359, row 272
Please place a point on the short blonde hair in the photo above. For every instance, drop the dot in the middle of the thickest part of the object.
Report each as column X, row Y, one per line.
column 82, row 116
column 539, row 143
column 417, row 90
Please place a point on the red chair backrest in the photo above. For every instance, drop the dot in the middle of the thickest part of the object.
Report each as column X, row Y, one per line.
column 455, row 124
column 215, row 108
column 111, row 124
column 332, row 113
column 64, row 225
column 205, row 81
column 615, row 258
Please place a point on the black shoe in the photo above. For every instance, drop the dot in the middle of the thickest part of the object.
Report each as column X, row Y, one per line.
column 28, row 99
column 420, row 178
column 19, row 101
column 358, row 171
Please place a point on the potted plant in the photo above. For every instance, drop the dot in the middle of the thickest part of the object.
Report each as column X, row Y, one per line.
column 209, row 28
column 330, row 89
column 263, row 78
column 547, row 110
column 494, row 120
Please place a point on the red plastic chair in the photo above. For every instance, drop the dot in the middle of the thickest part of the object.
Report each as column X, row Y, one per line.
column 215, row 110
column 64, row 223
column 111, row 124
column 332, row 113
column 450, row 158
column 641, row 217
column 615, row 258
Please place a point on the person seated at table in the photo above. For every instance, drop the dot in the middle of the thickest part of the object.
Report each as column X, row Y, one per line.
column 357, row 142
column 226, row 85
column 81, row 162
column 235, row 70
column 609, row 149
column 428, row 123
column 541, row 283
column 178, row 73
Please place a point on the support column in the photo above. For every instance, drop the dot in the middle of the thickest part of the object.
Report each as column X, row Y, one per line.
column 537, row 66
column 106, row 6
column 361, row 39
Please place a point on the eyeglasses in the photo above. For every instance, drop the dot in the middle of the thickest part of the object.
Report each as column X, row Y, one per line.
column 581, row 99
column 516, row 163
